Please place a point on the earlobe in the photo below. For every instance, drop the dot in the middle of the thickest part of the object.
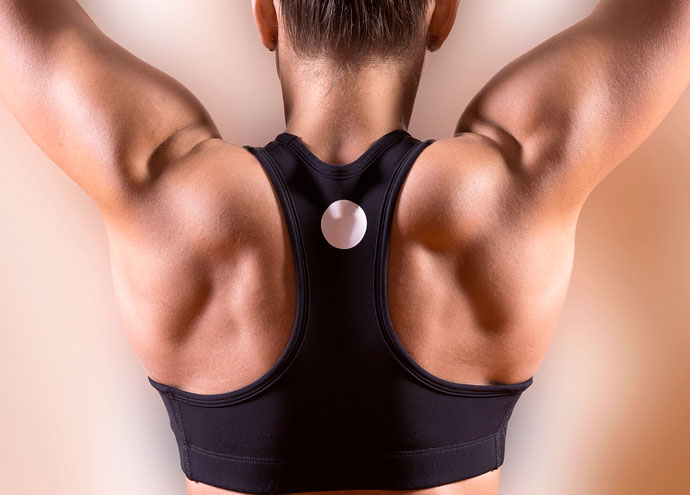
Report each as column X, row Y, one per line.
column 442, row 20
column 266, row 19
column 431, row 42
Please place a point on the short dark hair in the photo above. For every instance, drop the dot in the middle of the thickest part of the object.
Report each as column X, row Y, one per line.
column 352, row 32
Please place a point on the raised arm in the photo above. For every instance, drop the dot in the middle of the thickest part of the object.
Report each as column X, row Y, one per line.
column 568, row 111
column 105, row 117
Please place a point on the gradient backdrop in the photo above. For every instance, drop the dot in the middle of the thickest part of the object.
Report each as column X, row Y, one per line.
column 608, row 410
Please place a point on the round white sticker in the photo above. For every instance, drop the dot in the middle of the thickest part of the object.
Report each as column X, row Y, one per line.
column 343, row 224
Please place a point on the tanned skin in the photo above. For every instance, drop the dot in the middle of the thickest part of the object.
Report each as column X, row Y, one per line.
column 483, row 230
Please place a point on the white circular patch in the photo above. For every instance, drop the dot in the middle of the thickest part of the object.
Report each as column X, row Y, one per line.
column 343, row 224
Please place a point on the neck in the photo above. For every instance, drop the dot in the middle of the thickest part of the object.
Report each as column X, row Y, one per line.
column 339, row 115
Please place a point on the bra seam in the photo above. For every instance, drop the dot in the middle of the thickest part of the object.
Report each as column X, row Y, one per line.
column 385, row 455
column 185, row 443
column 336, row 174
column 500, row 443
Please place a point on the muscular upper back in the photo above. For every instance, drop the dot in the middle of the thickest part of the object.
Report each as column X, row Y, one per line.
column 206, row 282
column 482, row 238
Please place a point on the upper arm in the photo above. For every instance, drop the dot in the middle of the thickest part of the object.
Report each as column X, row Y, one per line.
column 568, row 111
column 104, row 116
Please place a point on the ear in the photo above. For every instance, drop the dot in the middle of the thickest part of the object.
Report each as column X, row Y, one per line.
column 266, row 20
column 442, row 20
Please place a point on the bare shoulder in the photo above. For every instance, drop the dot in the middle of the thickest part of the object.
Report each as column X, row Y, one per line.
column 459, row 189
column 204, row 201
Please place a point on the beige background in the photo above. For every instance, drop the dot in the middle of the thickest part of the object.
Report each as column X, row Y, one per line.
column 608, row 410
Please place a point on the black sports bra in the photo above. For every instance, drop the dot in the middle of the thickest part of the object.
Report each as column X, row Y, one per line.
column 345, row 406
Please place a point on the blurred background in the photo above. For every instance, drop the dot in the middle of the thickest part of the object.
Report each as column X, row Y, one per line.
column 607, row 413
